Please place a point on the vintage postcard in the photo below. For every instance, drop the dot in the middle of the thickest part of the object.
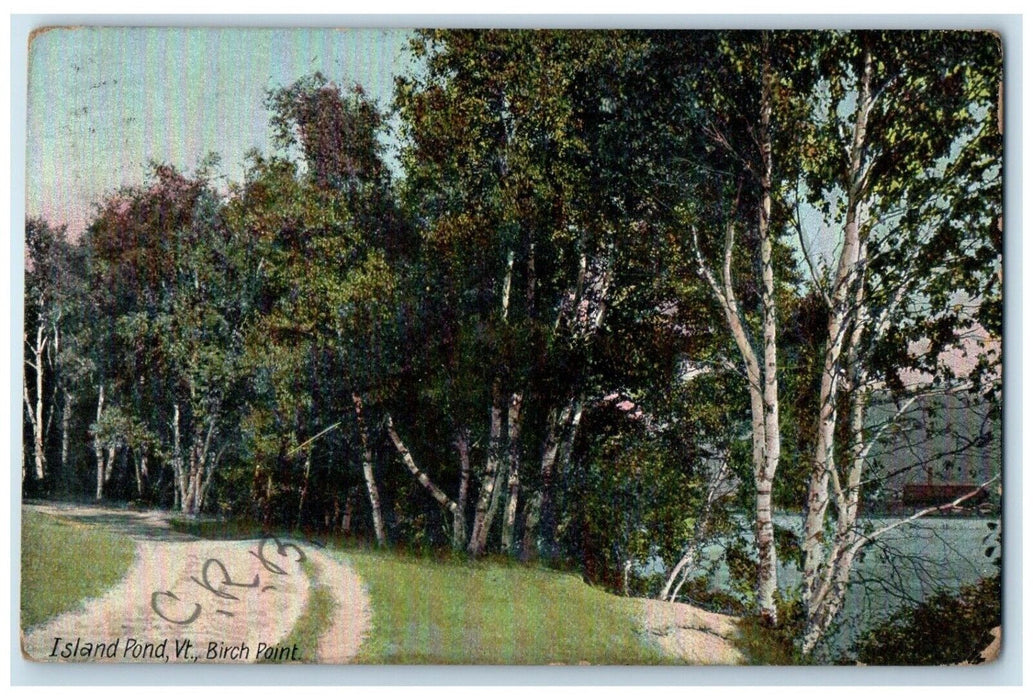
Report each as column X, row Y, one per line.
column 518, row 347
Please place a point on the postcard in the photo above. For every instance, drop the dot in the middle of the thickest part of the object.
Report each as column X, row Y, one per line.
column 513, row 346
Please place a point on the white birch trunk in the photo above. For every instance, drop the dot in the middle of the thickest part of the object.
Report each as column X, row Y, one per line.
column 497, row 491
column 509, row 517
column 459, row 540
column 109, row 466
column 481, row 526
column 367, row 473
column 177, row 461
column 98, row 447
column 66, row 422
column 35, row 408
column 767, row 568
column 828, row 598
column 38, row 442
column 440, row 496
column 843, row 304
column 762, row 415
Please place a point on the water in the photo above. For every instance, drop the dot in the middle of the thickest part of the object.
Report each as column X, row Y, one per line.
column 902, row 568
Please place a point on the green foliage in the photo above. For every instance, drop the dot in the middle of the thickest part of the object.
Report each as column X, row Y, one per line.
column 538, row 243
column 633, row 502
column 764, row 645
column 948, row 628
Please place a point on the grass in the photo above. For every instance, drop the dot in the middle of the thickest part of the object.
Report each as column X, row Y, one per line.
column 764, row 646
column 314, row 619
column 211, row 529
column 430, row 610
column 65, row 563
column 452, row 612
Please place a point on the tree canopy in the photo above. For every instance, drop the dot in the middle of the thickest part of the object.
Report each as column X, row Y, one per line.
column 623, row 298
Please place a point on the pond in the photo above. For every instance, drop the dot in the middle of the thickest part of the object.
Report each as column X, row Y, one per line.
column 902, row 568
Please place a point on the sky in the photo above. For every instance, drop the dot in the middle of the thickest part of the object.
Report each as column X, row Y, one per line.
column 105, row 102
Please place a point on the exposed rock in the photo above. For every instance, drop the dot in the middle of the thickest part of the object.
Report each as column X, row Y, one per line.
column 691, row 634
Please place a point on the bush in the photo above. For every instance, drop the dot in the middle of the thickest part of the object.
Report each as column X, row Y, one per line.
column 949, row 628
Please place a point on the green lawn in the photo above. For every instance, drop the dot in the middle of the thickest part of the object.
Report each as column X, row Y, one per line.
column 64, row 563
column 427, row 611
column 435, row 611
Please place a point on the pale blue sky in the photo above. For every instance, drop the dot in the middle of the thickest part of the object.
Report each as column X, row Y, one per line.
column 103, row 102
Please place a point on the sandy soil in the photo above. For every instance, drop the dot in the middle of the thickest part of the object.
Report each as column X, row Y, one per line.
column 224, row 623
column 352, row 616
column 694, row 635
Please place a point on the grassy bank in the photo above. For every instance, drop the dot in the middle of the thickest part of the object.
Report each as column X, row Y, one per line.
column 444, row 611
column 65, row 563
column 427, row 611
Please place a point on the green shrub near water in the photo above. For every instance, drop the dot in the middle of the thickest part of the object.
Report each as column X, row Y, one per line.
column 948, row 628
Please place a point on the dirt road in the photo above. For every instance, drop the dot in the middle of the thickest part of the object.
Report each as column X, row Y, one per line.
column 187, row 600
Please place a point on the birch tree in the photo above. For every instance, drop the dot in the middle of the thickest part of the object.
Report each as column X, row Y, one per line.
column 906, row 166
column 519, row 147
column 163, row 274
column 47, row 259
column 745, row 90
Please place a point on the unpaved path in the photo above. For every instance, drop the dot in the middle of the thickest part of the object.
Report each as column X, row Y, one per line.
column 229, row 604
column 691, row 634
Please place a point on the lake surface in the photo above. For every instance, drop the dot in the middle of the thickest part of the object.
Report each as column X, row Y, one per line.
column 904, row 567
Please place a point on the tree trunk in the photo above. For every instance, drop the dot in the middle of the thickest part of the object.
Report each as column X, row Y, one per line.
column 210, row 465
column 459, row 537
column 367, row 473
column 762, row 372
column 349, row 510
column 757, row 386
column 177, row 462
column 827, row 599
column 683, row 568
column 35, row 408
column 497, row 491
column 66, row 421
column 38, row 442
column 136, row 472
column 190, row 496
column 440, row 496
column 559, row 443
column 479, row 535
column 509, row 519
column 100, row 474
column 109, row 467
column 532, row 518
column 198, row 473
column 304, row 487
column 98, row 447
column 543, row 512
column 767, row 566
column 842, row 304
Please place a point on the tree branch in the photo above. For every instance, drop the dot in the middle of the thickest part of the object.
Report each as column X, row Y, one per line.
column 866, row 539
